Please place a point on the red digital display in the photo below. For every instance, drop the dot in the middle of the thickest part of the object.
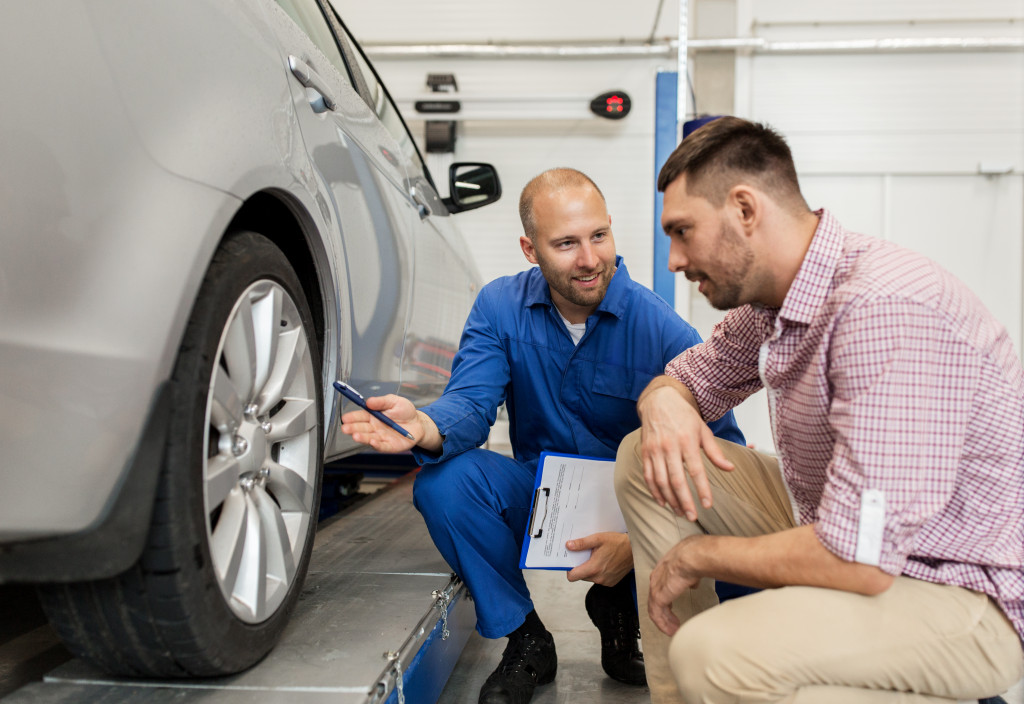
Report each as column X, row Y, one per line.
column 614, row 105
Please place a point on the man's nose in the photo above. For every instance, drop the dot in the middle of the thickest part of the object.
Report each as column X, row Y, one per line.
column 677, row 259
column 586, row 257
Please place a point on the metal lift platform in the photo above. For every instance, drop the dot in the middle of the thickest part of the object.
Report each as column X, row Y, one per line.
column 381, row 619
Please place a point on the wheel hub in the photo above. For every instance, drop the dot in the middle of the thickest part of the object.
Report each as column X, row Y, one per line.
column 251, row 447
column 250, row 480
column 261, row 470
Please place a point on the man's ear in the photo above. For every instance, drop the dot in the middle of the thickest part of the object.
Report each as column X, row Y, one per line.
column 527, row 244
column 746, row 205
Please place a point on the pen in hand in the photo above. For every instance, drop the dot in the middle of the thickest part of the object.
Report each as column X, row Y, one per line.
column 357, row 398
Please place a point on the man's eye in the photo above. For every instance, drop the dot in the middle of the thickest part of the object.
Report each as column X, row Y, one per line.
column 600, row 236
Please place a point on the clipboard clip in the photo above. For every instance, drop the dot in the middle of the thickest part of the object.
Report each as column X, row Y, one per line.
column 533, row 511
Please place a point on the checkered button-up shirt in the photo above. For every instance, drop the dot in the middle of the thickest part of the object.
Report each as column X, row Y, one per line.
column 897, row 405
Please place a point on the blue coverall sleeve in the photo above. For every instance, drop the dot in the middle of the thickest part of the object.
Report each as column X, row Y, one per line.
column 480, row 376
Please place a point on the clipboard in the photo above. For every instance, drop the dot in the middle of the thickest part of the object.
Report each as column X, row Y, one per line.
column 573, row 497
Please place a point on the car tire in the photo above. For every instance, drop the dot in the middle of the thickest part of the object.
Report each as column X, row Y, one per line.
column 235, row 513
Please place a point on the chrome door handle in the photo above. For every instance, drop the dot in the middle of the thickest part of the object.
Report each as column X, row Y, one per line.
column 311, row 79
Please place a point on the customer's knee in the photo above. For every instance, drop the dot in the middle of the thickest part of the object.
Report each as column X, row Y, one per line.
column 629, row 467
column 703, row 658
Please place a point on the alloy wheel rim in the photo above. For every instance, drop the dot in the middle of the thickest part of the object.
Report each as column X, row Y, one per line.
column 259, row 468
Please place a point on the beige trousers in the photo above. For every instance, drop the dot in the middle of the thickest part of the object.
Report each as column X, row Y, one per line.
column 916, row 642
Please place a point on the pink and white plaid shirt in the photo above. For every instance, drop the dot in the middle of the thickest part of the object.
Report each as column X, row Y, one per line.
column 886, row 378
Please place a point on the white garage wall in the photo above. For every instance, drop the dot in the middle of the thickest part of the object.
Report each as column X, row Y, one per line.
column 925, row 149
column 891, row 142
column 618, row 155
column 894, row 143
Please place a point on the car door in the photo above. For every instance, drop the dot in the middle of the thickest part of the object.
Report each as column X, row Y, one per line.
column 446, row 286
column 361, row 182
column 445, row 280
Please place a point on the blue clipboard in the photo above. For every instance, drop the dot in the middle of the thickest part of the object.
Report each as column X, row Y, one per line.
column 562, row 482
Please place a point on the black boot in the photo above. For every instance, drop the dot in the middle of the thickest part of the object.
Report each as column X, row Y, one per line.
column 992, row 700
column 529, row 660
column 613, row 611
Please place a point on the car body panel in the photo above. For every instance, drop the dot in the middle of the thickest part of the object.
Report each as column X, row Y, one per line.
column 167, row 120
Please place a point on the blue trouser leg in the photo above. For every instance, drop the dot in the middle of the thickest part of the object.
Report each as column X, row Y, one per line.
column 476, row 506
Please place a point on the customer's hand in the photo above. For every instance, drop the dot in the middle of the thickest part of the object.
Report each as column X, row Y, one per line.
column 669, row 579
column 611, row 558
column 673, row 435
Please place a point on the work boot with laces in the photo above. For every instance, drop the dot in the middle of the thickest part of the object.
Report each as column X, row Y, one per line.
column 613, row 611
column 529, row 660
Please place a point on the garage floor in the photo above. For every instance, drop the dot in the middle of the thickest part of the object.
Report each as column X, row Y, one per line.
column 580, row 677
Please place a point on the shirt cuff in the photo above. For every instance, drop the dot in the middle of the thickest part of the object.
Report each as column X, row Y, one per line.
column 840, row 527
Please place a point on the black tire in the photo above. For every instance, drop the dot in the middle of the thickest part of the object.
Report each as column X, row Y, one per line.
column 174, row 613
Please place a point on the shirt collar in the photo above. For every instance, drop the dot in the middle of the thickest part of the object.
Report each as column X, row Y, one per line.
column 615, row 299
column 813, row 281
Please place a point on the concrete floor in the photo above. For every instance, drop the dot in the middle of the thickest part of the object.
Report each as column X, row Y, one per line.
column 577, row 642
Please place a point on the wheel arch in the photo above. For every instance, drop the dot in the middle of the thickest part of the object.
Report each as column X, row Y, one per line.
column 115, row 540
column 276, row 215
column 266, row 213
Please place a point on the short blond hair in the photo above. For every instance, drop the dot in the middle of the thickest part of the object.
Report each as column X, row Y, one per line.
column 552, row 180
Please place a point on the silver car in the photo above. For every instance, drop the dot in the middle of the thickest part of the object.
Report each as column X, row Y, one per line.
column 209, row 211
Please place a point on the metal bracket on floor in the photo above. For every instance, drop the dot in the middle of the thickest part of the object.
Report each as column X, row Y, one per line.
column 443, row 599
column 392, row 673
column 395, row 658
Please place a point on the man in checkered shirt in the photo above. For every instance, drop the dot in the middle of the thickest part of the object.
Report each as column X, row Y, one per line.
column 888, row 534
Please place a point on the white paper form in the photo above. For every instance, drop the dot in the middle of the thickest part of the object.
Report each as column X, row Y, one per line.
column 573, row 497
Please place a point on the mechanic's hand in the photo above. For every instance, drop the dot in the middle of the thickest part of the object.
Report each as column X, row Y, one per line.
column 611, row 558
column 668, row 581
column 672, row 437
column 366, row 429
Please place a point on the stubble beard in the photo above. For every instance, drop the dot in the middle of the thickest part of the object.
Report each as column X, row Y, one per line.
column 727, row 292
column 563, row 285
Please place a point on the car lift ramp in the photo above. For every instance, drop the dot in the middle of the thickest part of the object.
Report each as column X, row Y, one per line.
column 379, row 607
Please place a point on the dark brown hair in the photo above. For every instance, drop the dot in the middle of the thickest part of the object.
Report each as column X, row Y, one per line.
column 720, row 154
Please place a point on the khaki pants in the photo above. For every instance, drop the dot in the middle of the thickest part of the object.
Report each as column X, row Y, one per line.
column 916, row 642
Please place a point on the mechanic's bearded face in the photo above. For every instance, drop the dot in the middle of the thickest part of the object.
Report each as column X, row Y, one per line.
column 574, row 248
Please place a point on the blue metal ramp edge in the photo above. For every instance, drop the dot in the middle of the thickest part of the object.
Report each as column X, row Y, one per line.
column 418, row 671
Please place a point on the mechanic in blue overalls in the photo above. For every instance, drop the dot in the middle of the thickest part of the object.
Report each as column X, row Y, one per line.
column 567, row 347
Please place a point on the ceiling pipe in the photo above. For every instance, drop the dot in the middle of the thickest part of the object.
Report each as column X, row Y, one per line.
column 669, row 48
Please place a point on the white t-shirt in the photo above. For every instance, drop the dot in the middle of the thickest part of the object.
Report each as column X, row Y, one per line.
column 576, row 330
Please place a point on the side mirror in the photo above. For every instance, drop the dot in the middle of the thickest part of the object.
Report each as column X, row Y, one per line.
column 471, row 186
